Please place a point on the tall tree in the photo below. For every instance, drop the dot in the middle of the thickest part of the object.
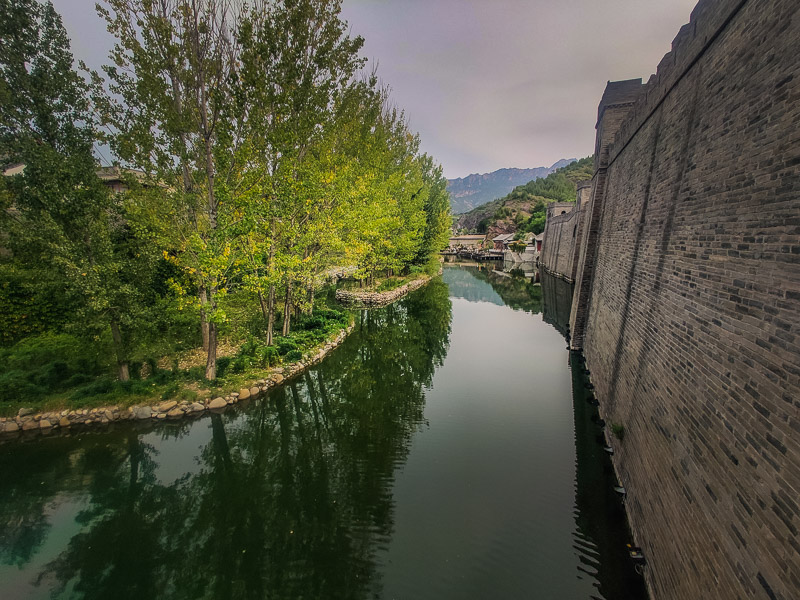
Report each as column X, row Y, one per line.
column 169, row 86
column 59, row 220
column 296, row 62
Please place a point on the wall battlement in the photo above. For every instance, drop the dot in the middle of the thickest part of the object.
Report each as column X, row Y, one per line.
column 708, row 20
column 686, row 261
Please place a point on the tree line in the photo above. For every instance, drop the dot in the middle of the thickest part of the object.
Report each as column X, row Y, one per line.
column 256, row 151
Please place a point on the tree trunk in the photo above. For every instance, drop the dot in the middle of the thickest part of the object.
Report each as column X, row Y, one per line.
column 287, row 310
column 270, row 315
column 263, row 304
column 122, row 362
column 211, row 356
column 211, row 359
column 271, row 300
column 203, row 317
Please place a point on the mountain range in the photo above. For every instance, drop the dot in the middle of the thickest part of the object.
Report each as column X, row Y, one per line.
column 474, row 190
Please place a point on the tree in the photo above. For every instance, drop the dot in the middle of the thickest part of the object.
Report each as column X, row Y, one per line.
column 297, row 62
column 169, row 85
column 59, row 221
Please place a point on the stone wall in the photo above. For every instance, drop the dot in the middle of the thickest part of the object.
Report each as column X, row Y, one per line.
column 687, row 301
column 559, row 239
column 376, row 299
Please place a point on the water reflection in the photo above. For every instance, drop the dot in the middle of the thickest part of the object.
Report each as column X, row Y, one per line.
column 513, row 288
column 290, row 498
column 399, row 467
column 557, row 301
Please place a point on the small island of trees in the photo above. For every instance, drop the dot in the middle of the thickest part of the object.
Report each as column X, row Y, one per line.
column 253, row 156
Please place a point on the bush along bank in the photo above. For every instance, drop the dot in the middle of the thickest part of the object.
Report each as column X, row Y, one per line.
column 371, row 299
column 28, row 421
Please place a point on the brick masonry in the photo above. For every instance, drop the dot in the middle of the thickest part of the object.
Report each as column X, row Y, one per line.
column 687, row 301
column 559, row 239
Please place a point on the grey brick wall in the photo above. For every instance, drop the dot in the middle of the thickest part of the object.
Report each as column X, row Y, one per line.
column 687, row 302
column 559, row 239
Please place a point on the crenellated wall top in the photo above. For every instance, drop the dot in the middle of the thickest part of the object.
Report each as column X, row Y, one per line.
column 708, row 19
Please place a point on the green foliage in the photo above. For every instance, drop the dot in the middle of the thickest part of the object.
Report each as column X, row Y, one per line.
column 46, row 364
column 618, row 430
column 559, row 186
column 433, row 266
column 29, row 305
column 391, row 283
column 263, row 158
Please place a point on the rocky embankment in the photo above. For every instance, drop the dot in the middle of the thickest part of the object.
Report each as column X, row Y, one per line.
column 373, row 299
column 29, row 422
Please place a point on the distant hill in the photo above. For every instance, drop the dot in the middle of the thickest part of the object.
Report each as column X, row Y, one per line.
column 523, row 209
column 471, row 191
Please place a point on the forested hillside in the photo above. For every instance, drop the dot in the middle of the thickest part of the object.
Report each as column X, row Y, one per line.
column 258, row 156
column 523, row 209
column 474, row 190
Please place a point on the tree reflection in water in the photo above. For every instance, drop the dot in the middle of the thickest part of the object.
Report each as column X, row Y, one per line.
column 291, row 496
column 511, row 289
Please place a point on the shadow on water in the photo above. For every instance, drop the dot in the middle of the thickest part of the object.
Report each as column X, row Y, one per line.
column 602, row 527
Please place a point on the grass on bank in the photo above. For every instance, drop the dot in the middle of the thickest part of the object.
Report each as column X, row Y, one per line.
column 57, row 371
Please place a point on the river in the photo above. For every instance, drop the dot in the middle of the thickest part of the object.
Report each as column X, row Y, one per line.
column 445, row 450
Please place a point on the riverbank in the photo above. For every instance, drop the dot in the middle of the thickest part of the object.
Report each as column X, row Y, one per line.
column 182, row 398
column 29, row 422
column 371, row 299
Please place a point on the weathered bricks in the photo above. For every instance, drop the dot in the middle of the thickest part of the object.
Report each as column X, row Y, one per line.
column 687, row 301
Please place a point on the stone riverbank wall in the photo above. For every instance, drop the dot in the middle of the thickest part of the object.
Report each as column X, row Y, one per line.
column 563, row 233
column 687, row 301
column 375, row 299
column 29, row 423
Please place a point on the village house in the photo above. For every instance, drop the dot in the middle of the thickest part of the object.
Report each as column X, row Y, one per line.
column 467, row 241
column 502, row 241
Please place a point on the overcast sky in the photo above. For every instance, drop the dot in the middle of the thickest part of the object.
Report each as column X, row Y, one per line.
column 488, row 83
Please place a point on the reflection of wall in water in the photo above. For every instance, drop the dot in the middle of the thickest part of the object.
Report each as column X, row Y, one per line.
column 556, row 301
column 600, row 519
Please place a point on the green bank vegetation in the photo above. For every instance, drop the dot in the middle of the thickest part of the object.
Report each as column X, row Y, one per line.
column 256, row 155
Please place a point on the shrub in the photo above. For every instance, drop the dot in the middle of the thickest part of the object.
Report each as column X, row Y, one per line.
column 269, row 356
column 618, row 430
column 198, row 373
column 14, row 385
column 286, row 345
column 222, row 366
column 170, row 391
column 294, row 356
column 95, row 388
column 389, row 284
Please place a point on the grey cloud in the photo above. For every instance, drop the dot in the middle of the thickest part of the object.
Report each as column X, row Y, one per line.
column 487, row 83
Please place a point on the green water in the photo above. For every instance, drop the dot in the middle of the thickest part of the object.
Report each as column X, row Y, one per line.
column 438, row 453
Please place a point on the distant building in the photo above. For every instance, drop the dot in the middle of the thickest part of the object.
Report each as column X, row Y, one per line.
column 502, row 241
column 113, row 177
column 559, row 208
column 467, row 241
column 12, row 170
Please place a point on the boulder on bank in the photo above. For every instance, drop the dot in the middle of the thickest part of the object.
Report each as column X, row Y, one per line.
column 217, row 403
column 141, row 412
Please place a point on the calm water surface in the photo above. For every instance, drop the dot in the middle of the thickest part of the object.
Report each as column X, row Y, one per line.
column 440, row 452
